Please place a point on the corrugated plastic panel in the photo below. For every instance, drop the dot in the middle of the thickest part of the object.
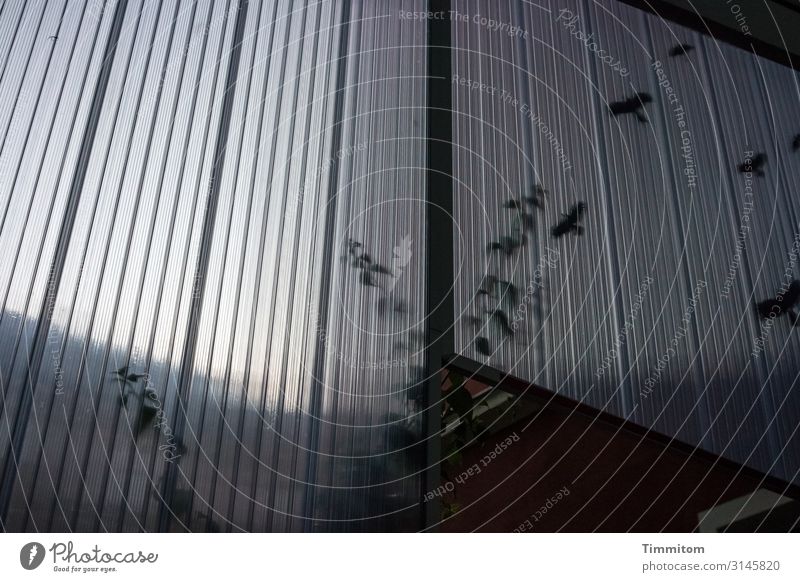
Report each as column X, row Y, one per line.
column 649, row 314
column 180, row 183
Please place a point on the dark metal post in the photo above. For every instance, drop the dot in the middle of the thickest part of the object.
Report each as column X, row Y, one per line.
column 440, row 278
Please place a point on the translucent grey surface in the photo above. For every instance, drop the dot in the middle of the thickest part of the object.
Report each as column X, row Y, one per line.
column 643, row 221
column 294, row 376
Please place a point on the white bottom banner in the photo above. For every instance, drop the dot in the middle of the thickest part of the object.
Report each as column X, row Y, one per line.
column 369, row 557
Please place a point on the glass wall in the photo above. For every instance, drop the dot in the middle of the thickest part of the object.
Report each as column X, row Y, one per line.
column 213, row 223
column 621, row 224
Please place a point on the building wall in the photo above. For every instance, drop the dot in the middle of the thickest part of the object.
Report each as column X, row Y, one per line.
column 649, row 314
column 561, row 471
column 179, row 184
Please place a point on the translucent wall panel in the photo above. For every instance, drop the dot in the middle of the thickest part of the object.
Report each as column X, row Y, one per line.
column 221, row 336
column 648, row 311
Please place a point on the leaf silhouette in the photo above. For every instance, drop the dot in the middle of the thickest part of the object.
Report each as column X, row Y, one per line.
column 366, row 279
column 756, row 164
column 506, row 245
column 499, row 316
column 508, row 291
column 380, row 269
column 455, row 378
column 472, row 320
column 527, row 220
column 146, row 416
column 569, row 222
column 538, row 194
column 487, row 286
column 633, row 105
column 482, row 345
column 680, row 49
column 388, row 305
column 782, row 303
column 460, row 400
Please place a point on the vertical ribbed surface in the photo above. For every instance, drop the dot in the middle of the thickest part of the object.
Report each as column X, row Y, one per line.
column 643, row 315
column 237, row 147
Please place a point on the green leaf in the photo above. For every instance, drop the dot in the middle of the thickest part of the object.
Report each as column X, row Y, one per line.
column 449, row 509
column 460, row 400
column 456, row 379
column 454, row 458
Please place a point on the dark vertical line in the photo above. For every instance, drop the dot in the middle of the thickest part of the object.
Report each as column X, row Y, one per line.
column 47, row 212
column 203, row 75
column 291, row 81
column 318, row 386
column 532, row 166
column 219, row 439
column 106, row 479
column 7, row 291
column 85, row 450
column 602, row 159
column 240, row 489
column 13, row 41
column 207, row 409
column 204, row 119
column 157, row 293
column 45, row 66
column 27, row 67
column 732, row 189
column 201, row 270
column 680, row 231
column 280, row 409
column 768, row 402
column 73, row 405
column 57, row 267
column 274, row 48
column 439, row 309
